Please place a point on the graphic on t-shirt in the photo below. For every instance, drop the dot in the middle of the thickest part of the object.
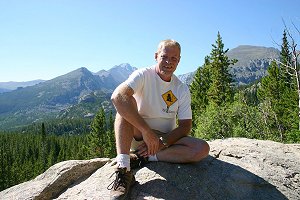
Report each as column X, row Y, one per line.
column 169, row 98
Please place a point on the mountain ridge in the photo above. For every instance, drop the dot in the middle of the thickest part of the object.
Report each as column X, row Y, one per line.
column 58, row 97
column 13, row 85
column 252, row 64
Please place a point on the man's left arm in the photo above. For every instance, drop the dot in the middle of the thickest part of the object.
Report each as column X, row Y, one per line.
column 183, row 129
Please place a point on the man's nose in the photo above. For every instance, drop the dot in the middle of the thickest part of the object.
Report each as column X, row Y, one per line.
column 168, row 60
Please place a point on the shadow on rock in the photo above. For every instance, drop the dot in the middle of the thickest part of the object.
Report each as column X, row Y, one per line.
column 208, row 179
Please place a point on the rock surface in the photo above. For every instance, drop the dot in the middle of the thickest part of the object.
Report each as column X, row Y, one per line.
column 237, row 168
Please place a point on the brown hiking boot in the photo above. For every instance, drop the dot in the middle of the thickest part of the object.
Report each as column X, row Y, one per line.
column 137, row 161
column 121, row 186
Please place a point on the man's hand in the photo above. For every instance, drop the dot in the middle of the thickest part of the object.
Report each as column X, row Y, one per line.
column 143, row 150
column 151, row 144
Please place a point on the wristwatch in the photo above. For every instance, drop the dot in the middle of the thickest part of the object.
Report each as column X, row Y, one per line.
column 164, row 141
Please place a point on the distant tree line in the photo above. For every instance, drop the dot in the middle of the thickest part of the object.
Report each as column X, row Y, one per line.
column 28, row 153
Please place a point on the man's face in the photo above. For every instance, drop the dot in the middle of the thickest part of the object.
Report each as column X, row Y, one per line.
column 167, row 60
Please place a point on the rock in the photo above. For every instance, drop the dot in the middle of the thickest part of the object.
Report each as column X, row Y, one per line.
column 56, row 179
column 237, row 168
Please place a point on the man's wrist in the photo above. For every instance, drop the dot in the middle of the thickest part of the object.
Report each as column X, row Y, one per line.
column 164, row 141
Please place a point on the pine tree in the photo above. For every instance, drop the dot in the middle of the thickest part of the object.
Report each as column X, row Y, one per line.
column 285, row 60
column 97, row 134
column 213, row 83
column 3, row 163
column 270, row 95
column 199, row 88
column 110, row 138
column 220, row 91
column 211, row 90
column 43, row 148
column 289, row 94
column 278, row 94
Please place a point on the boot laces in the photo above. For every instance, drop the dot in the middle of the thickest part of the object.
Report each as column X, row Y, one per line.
column 119, row 181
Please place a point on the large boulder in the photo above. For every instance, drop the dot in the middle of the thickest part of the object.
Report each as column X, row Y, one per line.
column 236, row 168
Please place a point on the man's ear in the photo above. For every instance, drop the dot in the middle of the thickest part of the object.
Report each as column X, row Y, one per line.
column 155, row 56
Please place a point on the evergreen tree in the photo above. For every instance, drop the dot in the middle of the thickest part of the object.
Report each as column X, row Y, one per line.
column 211, row 90
column 199, row 88
column 43, row 148
column 212, row 83
column 220, row 91
column 269, row 94
column 97, row 134
column 289, row 97
column 285, row 60
column 111, row 143
column 3, row 174
column 278, row 94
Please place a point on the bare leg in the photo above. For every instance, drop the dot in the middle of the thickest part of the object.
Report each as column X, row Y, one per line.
column 185, row 150
column 124, row 133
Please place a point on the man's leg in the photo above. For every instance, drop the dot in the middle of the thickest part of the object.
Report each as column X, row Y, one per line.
column 185, row 150
column 120, row 187
column 123, row 134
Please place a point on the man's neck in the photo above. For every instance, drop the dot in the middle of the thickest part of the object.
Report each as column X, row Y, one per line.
column 163, row 76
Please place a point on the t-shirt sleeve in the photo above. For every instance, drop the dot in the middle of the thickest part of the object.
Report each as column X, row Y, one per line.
column 135, row 81
column 184, row 107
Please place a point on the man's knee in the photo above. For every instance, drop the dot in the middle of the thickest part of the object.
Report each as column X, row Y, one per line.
column 200, row 149
column 204, row 148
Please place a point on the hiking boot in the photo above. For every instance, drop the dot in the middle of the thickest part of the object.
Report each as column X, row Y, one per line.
column 121, row 186
column 137, row 161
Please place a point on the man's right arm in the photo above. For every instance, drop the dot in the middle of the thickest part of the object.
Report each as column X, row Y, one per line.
column 125, row 104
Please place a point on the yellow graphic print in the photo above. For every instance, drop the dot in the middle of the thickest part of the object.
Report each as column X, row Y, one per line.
column 169, row 98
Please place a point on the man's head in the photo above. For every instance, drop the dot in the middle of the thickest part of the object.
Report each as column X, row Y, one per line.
column 167, row 58
column 168, row 43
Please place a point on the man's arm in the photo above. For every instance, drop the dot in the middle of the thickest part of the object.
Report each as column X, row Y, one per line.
column 184, row 128
column 125, row 105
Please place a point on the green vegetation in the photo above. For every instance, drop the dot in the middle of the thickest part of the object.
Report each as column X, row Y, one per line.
column 29, row 152
column 264, row 110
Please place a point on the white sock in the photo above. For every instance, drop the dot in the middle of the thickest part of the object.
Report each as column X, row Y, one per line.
column 123, row 160
column 152, row 158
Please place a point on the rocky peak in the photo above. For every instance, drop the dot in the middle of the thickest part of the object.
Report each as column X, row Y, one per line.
column 236, row 168
column 118, row 73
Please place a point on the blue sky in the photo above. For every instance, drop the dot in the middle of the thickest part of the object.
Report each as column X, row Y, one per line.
column 43, row 39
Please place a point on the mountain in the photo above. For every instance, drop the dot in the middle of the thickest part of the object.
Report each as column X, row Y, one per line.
column 252, row 64
column 9, row 86
column 79, row 93
column 118, row 73
column 187, row 78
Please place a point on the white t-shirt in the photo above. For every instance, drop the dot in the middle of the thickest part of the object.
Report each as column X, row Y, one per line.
column 158, row 101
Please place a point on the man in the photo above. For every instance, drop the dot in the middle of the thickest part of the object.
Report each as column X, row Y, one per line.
column 148, row 104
